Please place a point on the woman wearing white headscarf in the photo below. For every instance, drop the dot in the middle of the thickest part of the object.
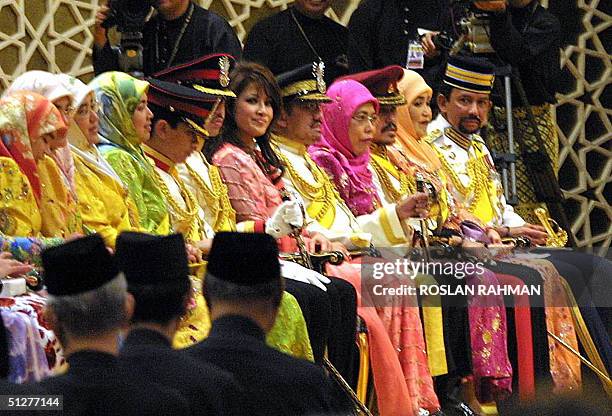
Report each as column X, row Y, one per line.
column 105, row 205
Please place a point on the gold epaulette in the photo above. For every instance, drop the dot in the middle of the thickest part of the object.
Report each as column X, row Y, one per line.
column 478, row 138
column 433, row 135
column 458, row 138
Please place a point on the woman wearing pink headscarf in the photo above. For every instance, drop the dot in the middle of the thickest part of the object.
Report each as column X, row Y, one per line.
column 394, row 327
column 343, row 150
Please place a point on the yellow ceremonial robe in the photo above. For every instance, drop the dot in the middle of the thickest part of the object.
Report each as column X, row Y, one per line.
column 103, row 202
column 19, row 213
column 58, row 206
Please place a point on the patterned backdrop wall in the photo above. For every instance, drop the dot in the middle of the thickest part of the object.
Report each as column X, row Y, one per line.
column 54, row 35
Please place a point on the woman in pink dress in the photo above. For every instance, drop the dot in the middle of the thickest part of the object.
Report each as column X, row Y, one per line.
column 253, row 174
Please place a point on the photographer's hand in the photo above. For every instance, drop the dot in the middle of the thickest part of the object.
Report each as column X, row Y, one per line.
column 428, row 45
column 99, row 33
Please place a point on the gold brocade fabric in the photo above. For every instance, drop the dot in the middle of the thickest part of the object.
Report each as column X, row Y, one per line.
column 289, row 333
column 433, row 327
column 195, row 324
column 19, row 213
column 103, row 202
column 58, row 206
column 587, row 341
column 564, row 366
column 523, row 133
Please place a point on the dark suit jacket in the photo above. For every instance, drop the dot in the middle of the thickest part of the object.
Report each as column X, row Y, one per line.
column 275, row 383
column 276, row 42
column 210, row 390
column 95, row 384
column 380, row 32
column 206, row 33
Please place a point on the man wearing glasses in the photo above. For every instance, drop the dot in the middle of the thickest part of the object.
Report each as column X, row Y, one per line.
column 178, row 114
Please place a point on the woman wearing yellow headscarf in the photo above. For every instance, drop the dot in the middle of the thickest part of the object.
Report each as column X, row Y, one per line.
column 411, row 152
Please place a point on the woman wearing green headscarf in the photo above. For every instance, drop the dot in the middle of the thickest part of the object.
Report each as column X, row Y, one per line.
column 125, row 123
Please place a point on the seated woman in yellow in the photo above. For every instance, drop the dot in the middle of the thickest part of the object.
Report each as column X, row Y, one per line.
column 125, row 123
column 50, row 86
column 28, row 122
column 61, row 216
column 104, row 202
column 35, row 199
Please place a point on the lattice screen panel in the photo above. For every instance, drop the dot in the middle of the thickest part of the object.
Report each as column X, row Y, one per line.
column 54, row 35
column 585, row 131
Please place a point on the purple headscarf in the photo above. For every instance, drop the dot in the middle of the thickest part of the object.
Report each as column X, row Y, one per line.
column 334, row 151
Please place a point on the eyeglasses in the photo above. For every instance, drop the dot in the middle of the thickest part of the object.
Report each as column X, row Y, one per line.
column 84, row 109
column 67, row 111
column 197, row 137
column 361, row 118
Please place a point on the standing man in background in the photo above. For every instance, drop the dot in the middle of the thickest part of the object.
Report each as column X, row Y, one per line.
column 298, row 36
column 528, row 37
column 389, row 32
column 181, row 31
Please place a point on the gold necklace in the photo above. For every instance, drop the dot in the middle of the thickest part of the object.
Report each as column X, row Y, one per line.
column 187, row 215
column 321, row 191
column 392, row 192
column 178, row 39
column 217, row 199
column 478, row 174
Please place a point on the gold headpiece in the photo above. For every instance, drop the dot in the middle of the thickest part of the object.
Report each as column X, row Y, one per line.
column 195, row 126
column 224, row 67
column 318, row 71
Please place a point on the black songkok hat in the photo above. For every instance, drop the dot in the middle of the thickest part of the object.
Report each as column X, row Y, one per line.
column 78, row 266
column 382, row 83
column 150, row 259
column 306, row 83
column 244, row 259
column 470, row 74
